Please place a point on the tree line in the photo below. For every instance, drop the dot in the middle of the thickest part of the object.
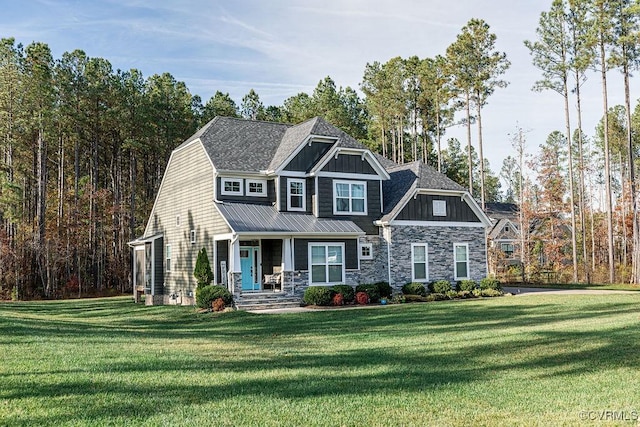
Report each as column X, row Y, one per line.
column 83, row 147
column 584, row 187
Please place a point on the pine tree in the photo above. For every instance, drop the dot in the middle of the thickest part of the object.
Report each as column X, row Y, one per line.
column 202, row 271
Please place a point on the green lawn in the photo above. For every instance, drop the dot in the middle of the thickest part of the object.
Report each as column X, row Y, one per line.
column 535, row 360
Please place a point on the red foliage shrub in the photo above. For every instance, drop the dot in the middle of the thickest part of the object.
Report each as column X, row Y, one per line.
column 218, row 304
column 338, row 299
column 362, row 298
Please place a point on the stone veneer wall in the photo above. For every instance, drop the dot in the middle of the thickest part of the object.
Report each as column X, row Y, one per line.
column 301, row 281
column 374, row 270
column 440, row 242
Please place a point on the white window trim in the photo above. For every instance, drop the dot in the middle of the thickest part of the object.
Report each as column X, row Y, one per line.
column 263, row 193
column 231, row 193
column 455, row 270
column 426, row 262
column 192, row 236
column 304, row 194
column 366, row 245
column 350, row 211
column 310, row 265
column 442, row 207
column 167, row 257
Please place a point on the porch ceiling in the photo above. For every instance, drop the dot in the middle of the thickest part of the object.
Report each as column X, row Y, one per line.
column 243, row 217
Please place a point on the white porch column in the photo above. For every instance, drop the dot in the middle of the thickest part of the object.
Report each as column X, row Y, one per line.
column 287, row 255
column 235, row 257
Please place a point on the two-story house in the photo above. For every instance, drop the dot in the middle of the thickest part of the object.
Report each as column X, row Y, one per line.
column 282, row 207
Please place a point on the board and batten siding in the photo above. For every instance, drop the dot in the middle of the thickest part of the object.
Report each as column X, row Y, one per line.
column 309, row 189
column 301, row 252
column 349, row 163
column 186, row 191
column 421, row 209
column 365, row 222
column 308, row 157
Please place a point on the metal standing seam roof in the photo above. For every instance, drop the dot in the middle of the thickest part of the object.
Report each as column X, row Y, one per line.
column 244, row 217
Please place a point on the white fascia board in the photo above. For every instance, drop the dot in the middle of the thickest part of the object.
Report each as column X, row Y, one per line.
column 258, row 234
column 476, row 209
column 363, row 152
column 347, row 175
column 436, row 224
column 224, row 218
column 155, row 202
column 241, row 174
column 225, row 236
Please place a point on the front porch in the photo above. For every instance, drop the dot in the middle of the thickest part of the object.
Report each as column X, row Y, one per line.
column 258, row 272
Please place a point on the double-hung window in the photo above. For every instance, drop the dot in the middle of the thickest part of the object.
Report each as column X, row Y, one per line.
column 461, row 261
column 349, row 198
column 419, row 262
column 168, row 257
column 296, row 195
column 326, row 263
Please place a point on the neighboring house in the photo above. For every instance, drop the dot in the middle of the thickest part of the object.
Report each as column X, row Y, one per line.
column 280, row 208
column 503, row 236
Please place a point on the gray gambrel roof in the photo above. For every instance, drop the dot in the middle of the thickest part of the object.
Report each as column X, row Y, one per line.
column 244, row 217
column 254, row 146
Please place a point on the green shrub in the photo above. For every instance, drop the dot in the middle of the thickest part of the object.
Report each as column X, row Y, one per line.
column 371, row 289
column 466, row 285
column 491, row 292
column 436, row 297
column 477, row 292
column 348, row 294
column 398, row 299
column 414, row 288
column 318, row 295
column 465, row 294
column 416, row 298
column 384, row 289
column 440, row 286
column 202, row 272
column 451, row 294
column 207, row 294
column 490, row 283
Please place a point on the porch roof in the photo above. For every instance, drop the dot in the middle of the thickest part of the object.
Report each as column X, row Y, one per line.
column 244, row 217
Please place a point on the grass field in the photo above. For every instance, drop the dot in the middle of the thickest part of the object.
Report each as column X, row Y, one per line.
column 535, row 360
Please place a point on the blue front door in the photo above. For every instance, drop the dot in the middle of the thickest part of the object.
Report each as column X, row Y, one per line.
column 249, row 267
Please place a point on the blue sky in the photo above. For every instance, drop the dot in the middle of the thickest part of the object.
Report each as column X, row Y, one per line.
column 281, row 48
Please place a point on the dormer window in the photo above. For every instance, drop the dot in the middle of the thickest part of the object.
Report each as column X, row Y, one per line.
column 256, row 187
column 439, row 208
column 349, row 198
column 232, row 186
